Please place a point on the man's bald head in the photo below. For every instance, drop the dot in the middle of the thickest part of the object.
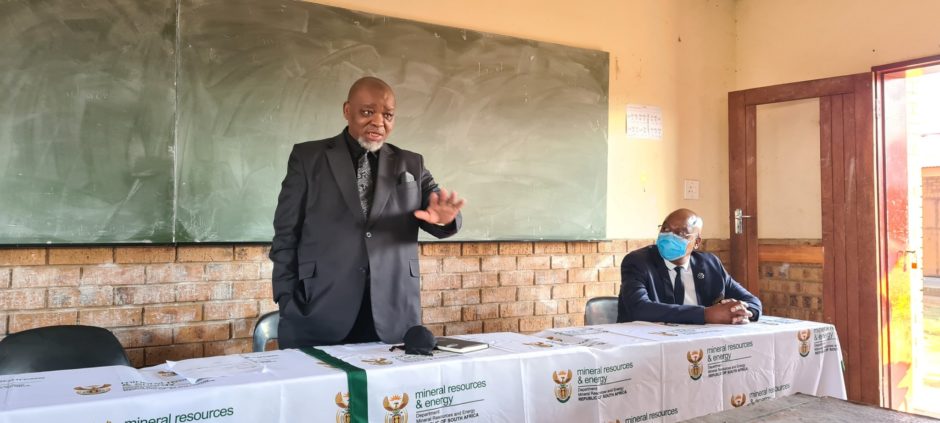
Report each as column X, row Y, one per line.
column 369, row 83
column 683, row 218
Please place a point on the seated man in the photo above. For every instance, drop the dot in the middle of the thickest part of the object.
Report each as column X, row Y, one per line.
column 670, row 282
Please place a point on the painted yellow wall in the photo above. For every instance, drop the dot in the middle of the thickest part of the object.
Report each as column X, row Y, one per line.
column 784, row 41
column 688, row 79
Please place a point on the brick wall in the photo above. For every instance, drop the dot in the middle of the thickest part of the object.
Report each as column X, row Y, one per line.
column 791, row 287
column 931, row 221
column 172, row 303
column 161, row 302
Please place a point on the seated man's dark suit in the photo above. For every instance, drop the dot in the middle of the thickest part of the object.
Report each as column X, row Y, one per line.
column 646, row 291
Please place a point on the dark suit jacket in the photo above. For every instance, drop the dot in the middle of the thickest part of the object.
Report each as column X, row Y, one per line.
column 646, row 290
column 323, row 245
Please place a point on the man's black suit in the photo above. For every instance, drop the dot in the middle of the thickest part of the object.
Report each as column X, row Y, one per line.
column 646, row 291
column 325, row 251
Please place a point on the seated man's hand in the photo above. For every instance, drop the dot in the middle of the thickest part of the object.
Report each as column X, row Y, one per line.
column 746, row 309
column 442, row 208
column 728, row 312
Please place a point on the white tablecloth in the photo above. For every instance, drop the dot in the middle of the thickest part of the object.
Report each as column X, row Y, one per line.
column 625, row 372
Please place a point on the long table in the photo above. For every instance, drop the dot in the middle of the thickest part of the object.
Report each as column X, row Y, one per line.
column 621, row 373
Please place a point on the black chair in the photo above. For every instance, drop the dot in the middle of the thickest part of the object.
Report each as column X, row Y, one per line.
column 60, row 348
column 600, row 310
column 265, row 330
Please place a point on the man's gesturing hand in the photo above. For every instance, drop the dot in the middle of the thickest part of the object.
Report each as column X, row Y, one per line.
column 442, row 208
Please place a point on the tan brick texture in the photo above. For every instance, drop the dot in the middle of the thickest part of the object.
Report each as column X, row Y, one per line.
column 166, row 302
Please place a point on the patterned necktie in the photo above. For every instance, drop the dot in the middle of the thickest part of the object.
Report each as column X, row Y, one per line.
column 364, row 183
column 678, row 288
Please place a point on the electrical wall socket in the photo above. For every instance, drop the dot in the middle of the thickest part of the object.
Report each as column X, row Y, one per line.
column 690, row 189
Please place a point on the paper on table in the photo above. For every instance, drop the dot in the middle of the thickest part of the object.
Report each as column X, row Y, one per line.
column 202, row 368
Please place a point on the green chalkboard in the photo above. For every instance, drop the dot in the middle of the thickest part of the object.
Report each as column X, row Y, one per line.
column 135, row 122
column 518, row 127
column 87, row 121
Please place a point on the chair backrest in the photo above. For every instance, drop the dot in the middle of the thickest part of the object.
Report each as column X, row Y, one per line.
column 600, row 310
column 60, row 348
column 265, row 330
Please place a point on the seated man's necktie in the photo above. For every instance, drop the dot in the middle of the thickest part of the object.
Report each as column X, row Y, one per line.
column 678, row 289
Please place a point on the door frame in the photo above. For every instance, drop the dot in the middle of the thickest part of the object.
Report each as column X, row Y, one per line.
column 851, row 268
column 894, row 368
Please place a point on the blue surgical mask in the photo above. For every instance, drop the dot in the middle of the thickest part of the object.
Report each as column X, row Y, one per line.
column 671, row 246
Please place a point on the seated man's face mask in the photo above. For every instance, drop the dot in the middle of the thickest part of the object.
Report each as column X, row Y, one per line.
column 671, row 246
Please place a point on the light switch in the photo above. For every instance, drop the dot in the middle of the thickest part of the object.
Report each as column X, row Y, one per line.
column 690, row 190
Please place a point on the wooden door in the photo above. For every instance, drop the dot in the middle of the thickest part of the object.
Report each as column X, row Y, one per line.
column 849, row 248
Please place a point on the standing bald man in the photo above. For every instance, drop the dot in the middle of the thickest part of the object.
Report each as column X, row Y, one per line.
column 671, row 282
column 345, row 246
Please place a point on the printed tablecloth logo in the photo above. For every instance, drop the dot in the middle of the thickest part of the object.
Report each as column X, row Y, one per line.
column 342, row 400
column 804, row 335
column 562, row 387
column 695, row 367
column 738, row 400
column 395, row 407
column 382, row 361
column 92, row 389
